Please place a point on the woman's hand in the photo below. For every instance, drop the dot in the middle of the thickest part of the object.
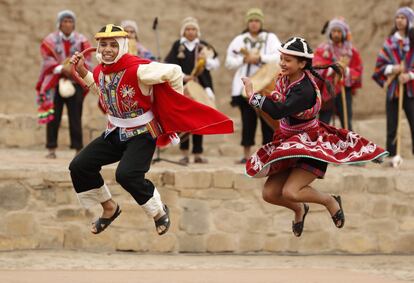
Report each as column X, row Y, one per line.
column 79, row 61
column 248, row 86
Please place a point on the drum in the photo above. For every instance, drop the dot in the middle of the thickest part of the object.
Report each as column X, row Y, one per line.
column 264, row 82
column 196, row 92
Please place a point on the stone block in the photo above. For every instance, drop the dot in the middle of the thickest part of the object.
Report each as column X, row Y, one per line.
column 236, row 204
column 191, row 243
column 315, row 242
column 195, row 216
column 405, row 184
column 242, row 182
column 332, row 184
column 51, row 238
column 13, row 196
column 258, row 224
column 223, row 179
column 277, row 243
column 356, row 243
column 132, row 241
column 155, row 177
column 401, row 210
column 228, row 221
column 380, row 207
column 353, row 183
column 73, row 213
column 407, row 224
column 249, row 242
column 193, row 179
column 404, row 243
column 20, row 223
column 167, row 243
column 380, row 184
column 221, row 242
column 168, row 178
column 133, row 217
column 213, row 194
column 73, row 236
column 25, row 243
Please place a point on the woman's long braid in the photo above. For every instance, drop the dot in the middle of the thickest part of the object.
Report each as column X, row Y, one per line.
column 337, row 69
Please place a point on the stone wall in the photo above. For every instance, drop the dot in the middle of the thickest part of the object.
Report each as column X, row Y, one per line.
column 212, row 211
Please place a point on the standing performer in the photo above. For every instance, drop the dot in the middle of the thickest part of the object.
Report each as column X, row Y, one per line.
column 142, row 110
column 247, row 53
column 55, row 86
column 339, row 49
column 303, row 146
column 135, row 47
column 192, row 54
column 398, row 48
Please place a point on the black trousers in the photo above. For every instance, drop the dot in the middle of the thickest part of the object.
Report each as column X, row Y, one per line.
column 197, row 143
column 134, row 156
column 392, row 121
column 74, row 105
column 249, row 124
column 326, row 115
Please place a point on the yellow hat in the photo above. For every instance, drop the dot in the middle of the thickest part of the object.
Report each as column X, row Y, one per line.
column 110, row 31
column 255, row 14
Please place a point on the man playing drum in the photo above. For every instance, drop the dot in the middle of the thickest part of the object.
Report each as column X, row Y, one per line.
column 248, row 52
column 196, row 58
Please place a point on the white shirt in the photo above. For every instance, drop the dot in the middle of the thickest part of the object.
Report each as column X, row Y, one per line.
column 268, row 51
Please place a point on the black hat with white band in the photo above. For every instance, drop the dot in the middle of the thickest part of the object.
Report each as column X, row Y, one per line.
column 297, row 46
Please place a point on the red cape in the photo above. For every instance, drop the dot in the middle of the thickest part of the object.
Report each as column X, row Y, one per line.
column 177, row 113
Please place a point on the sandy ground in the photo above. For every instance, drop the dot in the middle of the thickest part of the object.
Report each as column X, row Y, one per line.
column 89, row 267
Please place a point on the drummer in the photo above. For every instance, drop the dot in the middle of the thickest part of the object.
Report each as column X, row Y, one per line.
column 247, row 53
column 189, row 53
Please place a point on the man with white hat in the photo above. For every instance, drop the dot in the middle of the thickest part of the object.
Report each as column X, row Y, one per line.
column 196, row 58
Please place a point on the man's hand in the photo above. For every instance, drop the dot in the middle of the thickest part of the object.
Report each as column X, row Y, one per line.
column 397, row 69
column 404, row 78
column 252, row 58
column 187, row 78
column 79, row 61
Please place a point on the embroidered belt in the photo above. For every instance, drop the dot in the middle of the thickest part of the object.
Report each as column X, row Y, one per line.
column 287, row 129
column 141, row 120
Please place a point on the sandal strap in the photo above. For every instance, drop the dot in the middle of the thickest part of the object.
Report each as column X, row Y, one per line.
column 102, row 223
column 163, row 221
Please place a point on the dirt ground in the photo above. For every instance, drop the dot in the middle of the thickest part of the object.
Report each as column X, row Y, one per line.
column 90, row 267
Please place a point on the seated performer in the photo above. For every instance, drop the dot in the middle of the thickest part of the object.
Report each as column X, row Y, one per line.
column 189, row 53
column 303, row 146
column 143, row 107
column 339, row 49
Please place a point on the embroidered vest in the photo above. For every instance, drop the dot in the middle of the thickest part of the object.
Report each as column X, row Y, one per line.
column 122, row 98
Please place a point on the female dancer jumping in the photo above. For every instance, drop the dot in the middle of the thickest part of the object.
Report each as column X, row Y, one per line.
column 303, row 146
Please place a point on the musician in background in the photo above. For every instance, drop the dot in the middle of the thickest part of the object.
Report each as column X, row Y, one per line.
column 193, row 55
column 338, row 49
column 56, row 87
column 247, row 53
column 134, row 45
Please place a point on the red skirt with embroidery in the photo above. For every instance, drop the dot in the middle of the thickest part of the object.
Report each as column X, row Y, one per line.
column 314, row 140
